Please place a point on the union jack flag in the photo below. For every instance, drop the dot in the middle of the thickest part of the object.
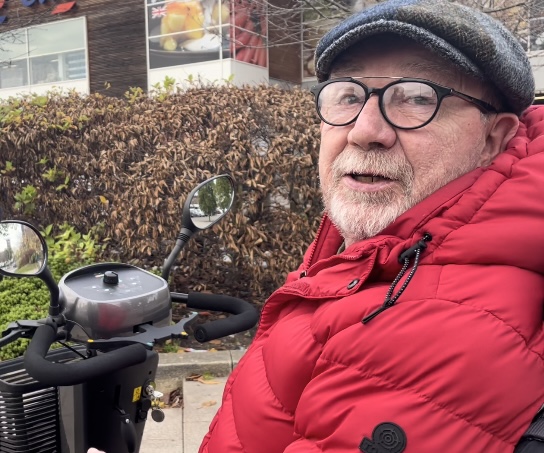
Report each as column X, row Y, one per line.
column 159, row 11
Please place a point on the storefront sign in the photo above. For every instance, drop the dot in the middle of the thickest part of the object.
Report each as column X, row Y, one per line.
column 32, row 2
column 58, row 9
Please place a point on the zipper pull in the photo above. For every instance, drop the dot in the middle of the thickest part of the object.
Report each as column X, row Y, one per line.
column 388, row 303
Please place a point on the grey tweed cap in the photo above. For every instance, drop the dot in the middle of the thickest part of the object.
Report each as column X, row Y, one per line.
column 473, row 41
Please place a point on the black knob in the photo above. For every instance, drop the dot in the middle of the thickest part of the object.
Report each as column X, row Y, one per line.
column 157, row 415
column 111, row 278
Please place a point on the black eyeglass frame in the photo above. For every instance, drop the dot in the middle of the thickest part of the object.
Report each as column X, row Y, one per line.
column 440, row 90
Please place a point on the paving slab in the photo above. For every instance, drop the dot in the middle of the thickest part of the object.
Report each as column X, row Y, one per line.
column 183, row 429
column 201, row 401
column 166, row 436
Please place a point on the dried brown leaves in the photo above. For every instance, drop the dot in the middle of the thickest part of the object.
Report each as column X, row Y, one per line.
column 132, row 164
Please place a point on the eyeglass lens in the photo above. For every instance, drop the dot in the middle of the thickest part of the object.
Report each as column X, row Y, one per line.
column 404, row 104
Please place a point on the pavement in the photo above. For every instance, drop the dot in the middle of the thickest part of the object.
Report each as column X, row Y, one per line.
column 183, row 428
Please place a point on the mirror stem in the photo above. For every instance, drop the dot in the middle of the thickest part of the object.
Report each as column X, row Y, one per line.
column 47, row 277
column 183, row 236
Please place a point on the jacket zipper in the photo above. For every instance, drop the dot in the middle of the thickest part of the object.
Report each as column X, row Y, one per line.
column 312, row 250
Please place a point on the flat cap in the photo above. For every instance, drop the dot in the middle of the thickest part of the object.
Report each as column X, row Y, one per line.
column 476, row 43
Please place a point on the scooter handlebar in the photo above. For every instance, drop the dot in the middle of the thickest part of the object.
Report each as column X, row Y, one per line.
column 66, row 374
column 245, row 315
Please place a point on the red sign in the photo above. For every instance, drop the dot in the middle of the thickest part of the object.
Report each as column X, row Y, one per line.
column 63, row 8
column 58, row 9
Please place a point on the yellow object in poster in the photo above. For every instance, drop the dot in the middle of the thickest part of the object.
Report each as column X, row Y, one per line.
column 183, row 20
column 193, row 26
column 220, row 14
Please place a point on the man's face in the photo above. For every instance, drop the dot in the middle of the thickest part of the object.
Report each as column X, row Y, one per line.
column 371, row 172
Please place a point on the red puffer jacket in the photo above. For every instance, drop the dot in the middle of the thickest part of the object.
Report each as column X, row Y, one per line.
column 455, row 365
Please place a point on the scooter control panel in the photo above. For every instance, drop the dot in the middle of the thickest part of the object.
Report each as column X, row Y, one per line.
column 113, row 281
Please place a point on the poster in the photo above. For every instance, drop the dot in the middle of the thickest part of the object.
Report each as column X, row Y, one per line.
column 191, row 31
column 249, row 32
column 187, row 31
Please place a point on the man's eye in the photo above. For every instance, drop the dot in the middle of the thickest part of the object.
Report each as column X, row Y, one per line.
column 416, row 100
column 409, row 95
column 350, row 99
column 422, row 100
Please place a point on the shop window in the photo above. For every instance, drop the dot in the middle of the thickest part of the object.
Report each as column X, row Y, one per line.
column 58, row 67
column 14, row 45
column 56, row 37
column 14, row 74
column 44, row 69
column 13, row 65
column 48, row 53
column 75, row 65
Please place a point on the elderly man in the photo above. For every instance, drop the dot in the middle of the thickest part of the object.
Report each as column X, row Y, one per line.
column 414, row 323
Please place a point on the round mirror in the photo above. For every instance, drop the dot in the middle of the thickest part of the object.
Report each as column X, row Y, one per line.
column 22, row 249
column 211, row 201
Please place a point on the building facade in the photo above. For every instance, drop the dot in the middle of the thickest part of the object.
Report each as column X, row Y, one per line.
column 109, row 46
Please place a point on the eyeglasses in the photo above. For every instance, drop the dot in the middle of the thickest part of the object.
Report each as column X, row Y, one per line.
column 404, row 103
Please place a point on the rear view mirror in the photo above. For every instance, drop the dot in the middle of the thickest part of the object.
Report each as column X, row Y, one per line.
column 22, row 249
column 210, row 202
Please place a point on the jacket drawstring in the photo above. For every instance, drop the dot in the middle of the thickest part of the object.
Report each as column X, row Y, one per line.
column 405, row 257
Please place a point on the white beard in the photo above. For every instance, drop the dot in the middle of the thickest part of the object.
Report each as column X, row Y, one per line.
column 361, row 215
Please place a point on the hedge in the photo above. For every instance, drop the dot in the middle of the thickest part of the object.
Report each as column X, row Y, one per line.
column 125, row 166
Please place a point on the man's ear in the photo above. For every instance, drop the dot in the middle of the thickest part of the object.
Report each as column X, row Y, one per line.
column 500, row 130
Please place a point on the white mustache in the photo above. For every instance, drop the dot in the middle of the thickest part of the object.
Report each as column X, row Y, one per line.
column 377, row 163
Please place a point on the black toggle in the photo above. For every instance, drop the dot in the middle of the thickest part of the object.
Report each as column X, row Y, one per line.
column 420, row 245
column 405, row 257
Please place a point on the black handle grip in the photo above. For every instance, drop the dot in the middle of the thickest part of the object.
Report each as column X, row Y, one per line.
column 64, row 374
column 245, row 315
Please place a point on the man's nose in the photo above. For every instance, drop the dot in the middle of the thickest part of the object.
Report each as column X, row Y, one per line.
column 371, row 128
